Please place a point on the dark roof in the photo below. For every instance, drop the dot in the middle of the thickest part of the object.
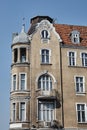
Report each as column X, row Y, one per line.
column 37, row 19
column 65, row 30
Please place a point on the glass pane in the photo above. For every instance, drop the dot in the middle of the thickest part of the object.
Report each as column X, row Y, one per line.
column 79, row 118
column 22, row 81
column 22, row 111
column 83, row 116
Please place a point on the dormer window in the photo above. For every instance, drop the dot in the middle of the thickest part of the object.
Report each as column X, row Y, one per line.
column 75, row 37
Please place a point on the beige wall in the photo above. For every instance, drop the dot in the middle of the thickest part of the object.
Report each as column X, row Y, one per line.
column 70, row 97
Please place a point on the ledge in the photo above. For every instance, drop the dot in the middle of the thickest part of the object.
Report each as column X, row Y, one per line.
column 46, row 63
column 20, row 64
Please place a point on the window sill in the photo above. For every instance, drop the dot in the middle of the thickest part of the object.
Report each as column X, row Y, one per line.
column 82, row 122
column 20, row 91
column 76, row 66
column 81, row 94
column 46, row 64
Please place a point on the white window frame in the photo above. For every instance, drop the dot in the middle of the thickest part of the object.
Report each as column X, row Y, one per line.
column 79, row 92
column 44, row 37
column 71, row 63
column 25, row 87
column 12, row 88
column 24, row 111
column 84, row 59
column 43, row 82
column 44, row 112
column 85, row 110
column 45, row 62
column 13, row 109
column 75, row 36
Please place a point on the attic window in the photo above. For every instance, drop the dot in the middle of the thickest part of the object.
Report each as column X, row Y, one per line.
column 75, row 37
column 45, row 36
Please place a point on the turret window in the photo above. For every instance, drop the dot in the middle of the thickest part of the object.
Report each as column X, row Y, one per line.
column 22, row 81
column 14, row 82
column 15, row 55
column 23, row 54
column 22, row 111
column 14, row 111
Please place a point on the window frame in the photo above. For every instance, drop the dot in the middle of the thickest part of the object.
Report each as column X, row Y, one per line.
column 22, row 117
column 43, row 116
column 25, row 80
column 85, row 112
column 72, row 59
column 75, row 37
column 45, row 82
column 13, row 112
column 45, row 56
column 23, row 54
column 84, row 59
column 44, row 35
column 14, row 88
column 79, row 84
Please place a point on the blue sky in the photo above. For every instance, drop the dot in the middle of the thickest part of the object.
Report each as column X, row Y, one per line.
column 11, row 15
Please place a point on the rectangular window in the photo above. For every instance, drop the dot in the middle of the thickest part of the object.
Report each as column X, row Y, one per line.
column 14, row 111
column 81, row 113
column 22, row 111
column 22, row 81
column 84, row 59
column 14, row 82
column 79, row 83
column 72, row 59
column 23, row 55
column 45, row 56
column 46, row 111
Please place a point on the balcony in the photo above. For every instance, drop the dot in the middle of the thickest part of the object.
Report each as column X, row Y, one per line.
column 52, row 94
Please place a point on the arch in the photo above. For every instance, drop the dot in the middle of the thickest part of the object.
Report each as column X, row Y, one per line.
column 45, row 72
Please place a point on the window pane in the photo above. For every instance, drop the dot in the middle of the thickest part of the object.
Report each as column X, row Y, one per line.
column 23, row 54
column 79, row 84
column 81, row 112
column 22, row 81
column 71, row 58
column 46, row 112
column 45, row 56
column 84, row 59
column 45, row 83
column 22, row 111
column 14, row 82
column 44, row 34
column 14, row 111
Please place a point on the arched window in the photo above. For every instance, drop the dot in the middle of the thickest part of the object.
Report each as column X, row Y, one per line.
column 45, row 83
column 44, row 34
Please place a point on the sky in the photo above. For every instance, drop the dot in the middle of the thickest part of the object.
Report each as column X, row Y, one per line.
column 12, row 12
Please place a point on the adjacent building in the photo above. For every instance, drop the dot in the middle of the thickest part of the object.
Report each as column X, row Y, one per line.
column 49, row 76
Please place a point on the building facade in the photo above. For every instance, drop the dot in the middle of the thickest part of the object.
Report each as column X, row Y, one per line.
column 48, row 76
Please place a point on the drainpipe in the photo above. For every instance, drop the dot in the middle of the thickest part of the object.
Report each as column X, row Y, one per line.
column 61, row 86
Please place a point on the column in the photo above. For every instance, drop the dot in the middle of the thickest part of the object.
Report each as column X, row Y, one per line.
column 18, row 56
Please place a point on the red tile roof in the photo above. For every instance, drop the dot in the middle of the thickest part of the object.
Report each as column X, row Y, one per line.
column 65, row 30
